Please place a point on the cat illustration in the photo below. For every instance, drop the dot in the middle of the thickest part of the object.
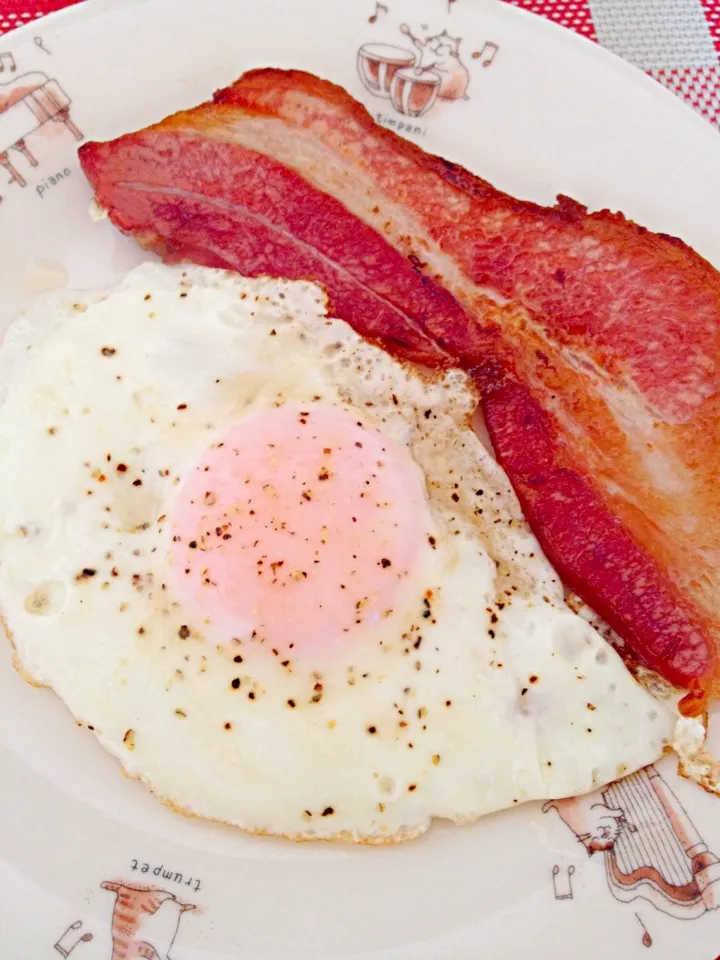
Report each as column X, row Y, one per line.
column 441, row 55
column 596, row 825
column 145, row 921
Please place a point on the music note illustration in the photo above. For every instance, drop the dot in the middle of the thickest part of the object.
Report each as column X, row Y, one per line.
column 379, row 8
column 488, row 52
column 646, row 938
column 68, row 941
column 562, row 882
column 7, row 62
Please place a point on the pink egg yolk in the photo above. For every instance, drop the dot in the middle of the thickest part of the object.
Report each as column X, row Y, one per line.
column 299, row 527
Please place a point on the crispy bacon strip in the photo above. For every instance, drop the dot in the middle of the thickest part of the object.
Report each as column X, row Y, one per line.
column 594, row 343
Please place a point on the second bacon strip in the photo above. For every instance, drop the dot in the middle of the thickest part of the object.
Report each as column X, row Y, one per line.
column 594, row 343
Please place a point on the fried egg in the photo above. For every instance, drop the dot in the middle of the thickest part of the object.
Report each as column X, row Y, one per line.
column 279, row 576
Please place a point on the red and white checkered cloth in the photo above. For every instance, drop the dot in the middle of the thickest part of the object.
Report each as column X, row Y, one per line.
column 676, row 41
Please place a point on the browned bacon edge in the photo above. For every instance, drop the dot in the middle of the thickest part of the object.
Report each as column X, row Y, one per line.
column 594, row 343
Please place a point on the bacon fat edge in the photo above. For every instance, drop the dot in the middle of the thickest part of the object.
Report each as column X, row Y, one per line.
column 593, row 342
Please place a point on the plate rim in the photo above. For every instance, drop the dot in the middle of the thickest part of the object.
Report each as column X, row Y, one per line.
column 507, row 10
column 68, row 17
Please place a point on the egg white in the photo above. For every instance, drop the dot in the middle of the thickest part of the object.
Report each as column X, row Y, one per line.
column 492, row 694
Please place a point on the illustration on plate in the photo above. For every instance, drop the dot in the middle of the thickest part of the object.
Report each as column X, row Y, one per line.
column 27, row 103
column 7, row 62
column 71, row 938
column 647, row 940
column 414, row 79
column 650, row 845
column 40, row 44
column 380, row 9
column 145, row 923
column 562, row 882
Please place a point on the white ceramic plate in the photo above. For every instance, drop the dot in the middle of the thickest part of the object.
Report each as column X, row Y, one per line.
column 545, row 112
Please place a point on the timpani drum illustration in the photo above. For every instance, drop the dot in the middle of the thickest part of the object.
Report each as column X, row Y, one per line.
column 414, row 91
column 378, row 63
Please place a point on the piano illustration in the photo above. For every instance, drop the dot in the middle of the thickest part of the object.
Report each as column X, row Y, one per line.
column 27, row 103
column 651, row 848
